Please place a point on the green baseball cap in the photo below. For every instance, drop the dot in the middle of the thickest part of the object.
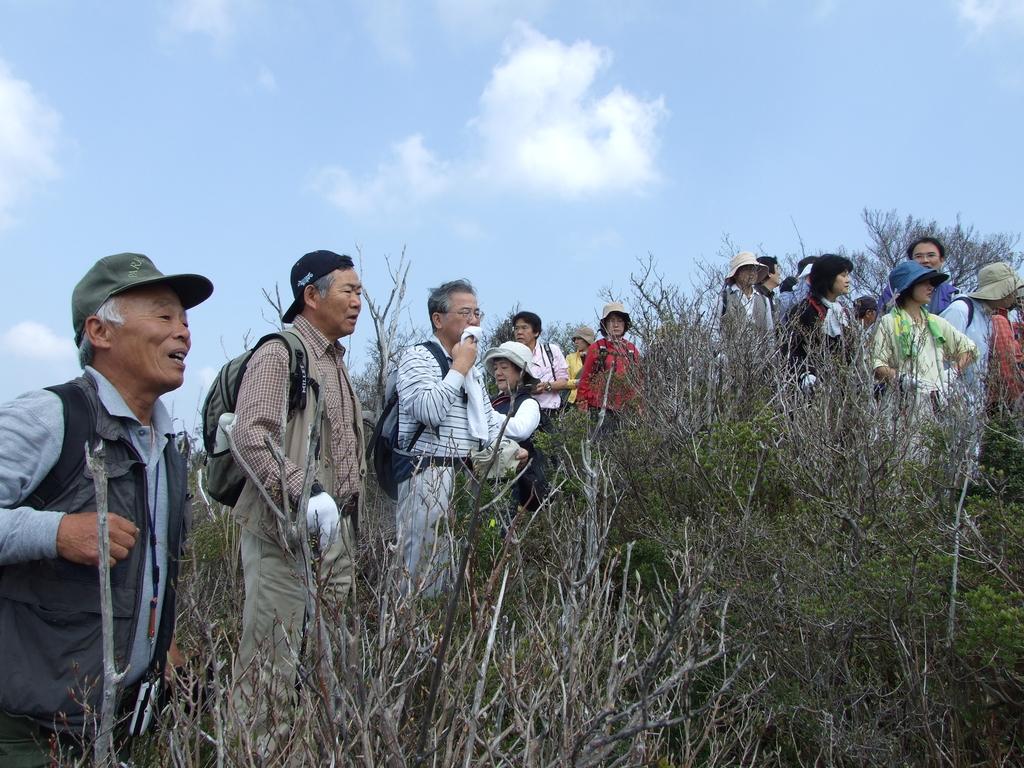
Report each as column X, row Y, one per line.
column 122, row 272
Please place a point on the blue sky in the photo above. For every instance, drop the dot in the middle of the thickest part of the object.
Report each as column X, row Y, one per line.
column 537, row 147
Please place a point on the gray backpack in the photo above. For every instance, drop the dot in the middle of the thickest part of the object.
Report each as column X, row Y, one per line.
column 224, row 478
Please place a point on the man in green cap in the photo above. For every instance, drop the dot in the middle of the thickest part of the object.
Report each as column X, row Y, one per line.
column 132, row 333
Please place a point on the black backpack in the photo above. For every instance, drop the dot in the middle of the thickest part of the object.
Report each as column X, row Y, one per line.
column 393, row 464
column 79, row 428
column 224, row 478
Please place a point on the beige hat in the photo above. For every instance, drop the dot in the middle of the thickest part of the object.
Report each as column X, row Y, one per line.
column 613, row 306
column 746, row 259
column 516, row 353
column 996, row 281
column 586, row 333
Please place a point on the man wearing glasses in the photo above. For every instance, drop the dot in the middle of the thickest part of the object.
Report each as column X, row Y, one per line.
column 444, row 414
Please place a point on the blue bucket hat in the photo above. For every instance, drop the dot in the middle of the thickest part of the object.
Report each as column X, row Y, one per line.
column 906, row 274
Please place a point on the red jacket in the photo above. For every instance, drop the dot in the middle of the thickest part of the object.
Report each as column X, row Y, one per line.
column 621, row 359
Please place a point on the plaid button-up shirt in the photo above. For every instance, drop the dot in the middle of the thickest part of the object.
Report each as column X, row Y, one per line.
column 262, row 399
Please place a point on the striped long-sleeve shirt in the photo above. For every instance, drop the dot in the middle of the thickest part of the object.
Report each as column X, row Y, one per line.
column 425, row 398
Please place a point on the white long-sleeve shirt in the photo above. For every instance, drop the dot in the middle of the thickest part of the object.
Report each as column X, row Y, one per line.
column 524, row 423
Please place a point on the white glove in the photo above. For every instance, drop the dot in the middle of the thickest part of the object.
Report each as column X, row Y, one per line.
column 323, row 517
column 807, row 382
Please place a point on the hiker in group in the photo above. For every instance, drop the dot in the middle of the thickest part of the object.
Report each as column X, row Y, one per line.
column 582, row 338
column 740, row 302
column 1006, row 365
column 973, row 315
column 548, row 365
column 444, row 415
column 327, row 300
column 801, row 285
column 509, row 364
column 865, row 311
column 608, row 381
column 133, row 337
column 820, row 327
column 767, row 286
column 930, row 254
column 912, row 346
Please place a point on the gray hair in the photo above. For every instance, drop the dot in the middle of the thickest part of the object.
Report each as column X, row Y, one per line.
column 323, row 285
column 440, row 299
column 110, row 313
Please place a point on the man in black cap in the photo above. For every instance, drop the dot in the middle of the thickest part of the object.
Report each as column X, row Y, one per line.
column 133, row 336
column 328, row 298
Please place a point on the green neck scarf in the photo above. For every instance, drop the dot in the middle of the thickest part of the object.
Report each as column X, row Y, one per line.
column 904, row 329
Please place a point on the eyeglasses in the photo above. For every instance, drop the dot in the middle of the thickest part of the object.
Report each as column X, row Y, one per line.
column 522, row 327
column 468, row 313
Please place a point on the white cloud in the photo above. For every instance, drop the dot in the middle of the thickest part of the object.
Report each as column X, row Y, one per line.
column 412, row 174
column 28, row 142
column 482, row 19
column 215, row 18
column 34, row 341
column 984, row 15
column 542, row 129
column 542, row 126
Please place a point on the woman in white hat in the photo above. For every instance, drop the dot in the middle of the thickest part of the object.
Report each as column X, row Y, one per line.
column 509, row 364
column 614, row 357
column 739, row 299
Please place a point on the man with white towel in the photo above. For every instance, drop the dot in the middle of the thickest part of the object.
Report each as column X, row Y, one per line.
column 444, row 414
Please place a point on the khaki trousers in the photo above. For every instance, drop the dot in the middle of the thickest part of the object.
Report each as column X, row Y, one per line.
column 273, row 619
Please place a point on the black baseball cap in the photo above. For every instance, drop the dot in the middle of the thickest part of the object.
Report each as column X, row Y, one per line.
column 308, row 270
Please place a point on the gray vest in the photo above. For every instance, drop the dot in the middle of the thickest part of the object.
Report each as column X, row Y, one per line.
column 51, row 645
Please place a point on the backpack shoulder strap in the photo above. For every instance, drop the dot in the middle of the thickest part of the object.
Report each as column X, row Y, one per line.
column 521, row 397
column 970, row 309
column 551, row 361
column 439, row 355
column 79, row 428
column 442, row 362
column 299, row 381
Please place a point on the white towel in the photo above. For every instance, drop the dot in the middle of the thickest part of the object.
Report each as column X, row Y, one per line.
column 835, row 318
column 478, row 426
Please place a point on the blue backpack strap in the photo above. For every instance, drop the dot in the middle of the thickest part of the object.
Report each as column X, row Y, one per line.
column 79, row 428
